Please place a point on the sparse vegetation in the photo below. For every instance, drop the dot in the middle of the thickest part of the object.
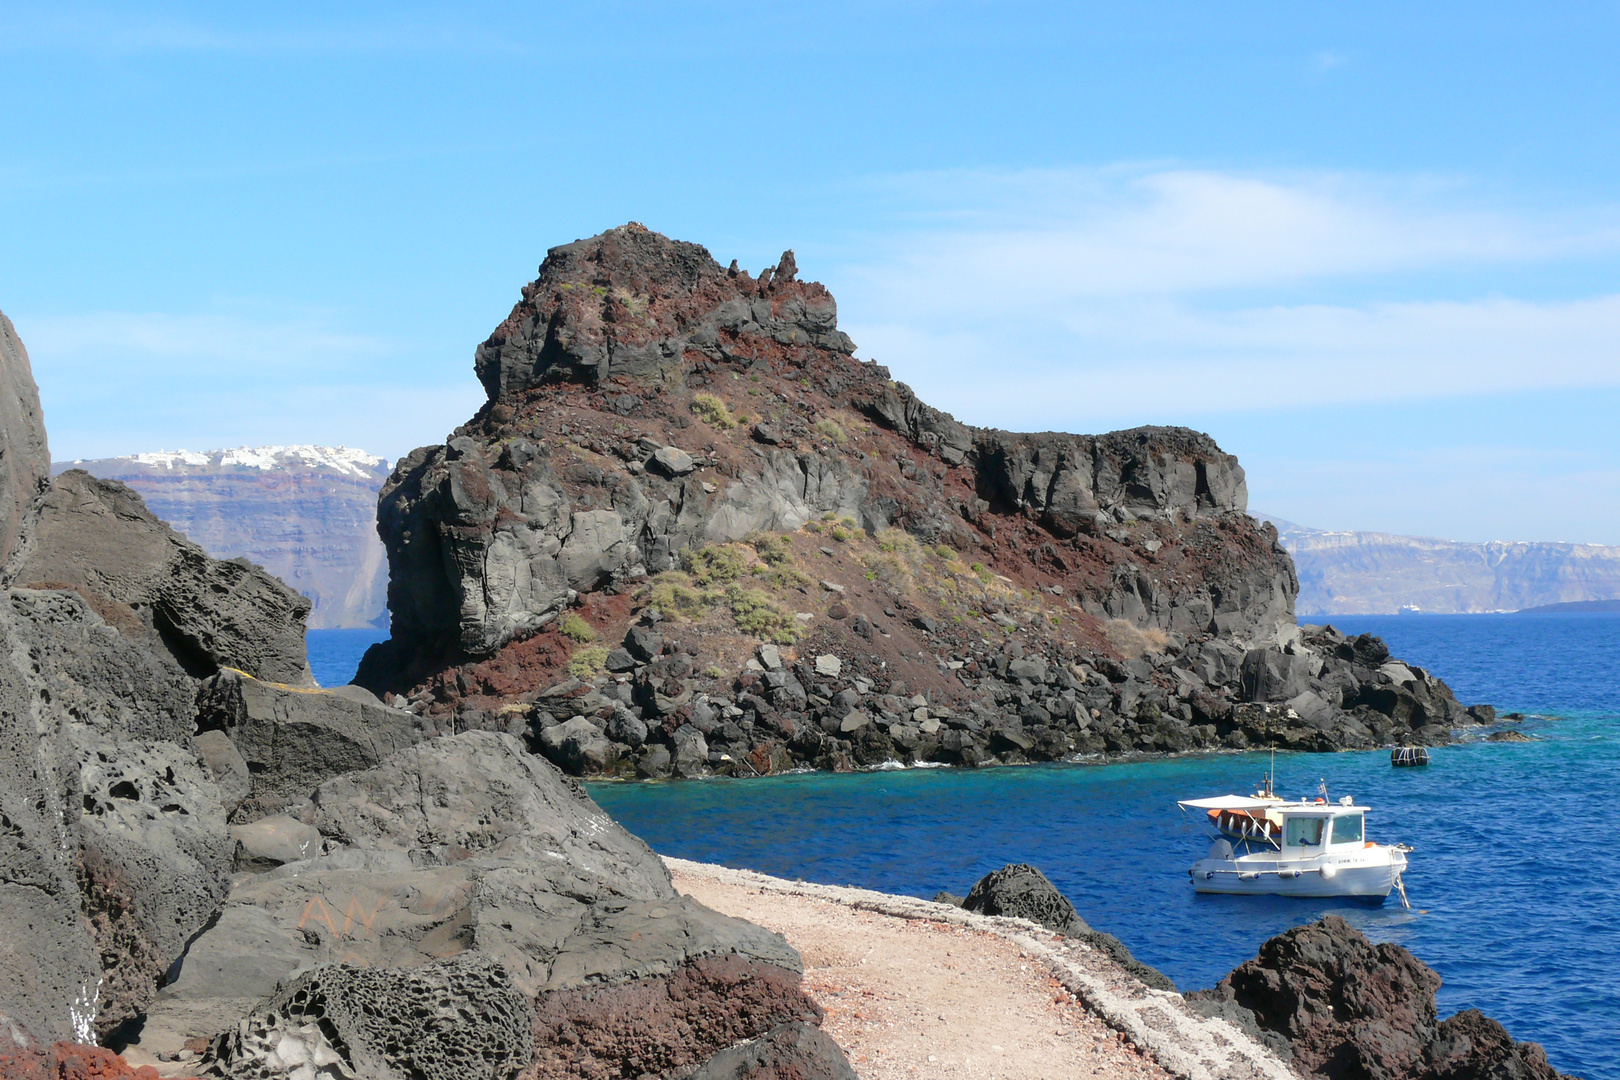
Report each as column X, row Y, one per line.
column 982, row 574
column 1131, row 641
column 833, row 431
column 774, row 549
column 945, row 551
column 840, row 534
column 757, row 614
column 672, row 593
column 812, row 526
column 576, row 628
column 712, row 411
column 714, row 565
column 588, row 661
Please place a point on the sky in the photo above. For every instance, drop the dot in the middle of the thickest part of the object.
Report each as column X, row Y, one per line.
column 1373, row 252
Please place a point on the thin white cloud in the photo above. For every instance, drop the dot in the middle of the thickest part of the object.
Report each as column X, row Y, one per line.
column 117, row 382
column 1121, row 296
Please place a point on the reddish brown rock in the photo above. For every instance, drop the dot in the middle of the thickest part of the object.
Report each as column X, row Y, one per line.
column 70, row 1061
column 1353, row 1010
column 664, row 1026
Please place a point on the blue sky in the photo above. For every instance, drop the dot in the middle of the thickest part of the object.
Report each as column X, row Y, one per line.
column 1373, row 252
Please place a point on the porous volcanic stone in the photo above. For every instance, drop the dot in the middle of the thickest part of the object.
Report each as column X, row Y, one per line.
column 97, row 537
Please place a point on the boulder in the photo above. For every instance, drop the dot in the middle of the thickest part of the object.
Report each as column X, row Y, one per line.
column 1020, row 891
column 453, row 1019
column 793, row 1051
column 155, row 862
column 1273, row 675
column 1353, row 1010
column 97, row 538
column 673, row 461
column 292, row 739
column 269, row 842
column 578, row 746
column 25, row 456
column 466, row 845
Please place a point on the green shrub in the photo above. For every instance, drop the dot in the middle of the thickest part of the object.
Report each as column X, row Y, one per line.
column 712, row 411
column 757, row 615
column 675, row 598
column 714, row 565
column 945, row 551
column 832, row 430
column 576, row 628
column 714, row 671
column 774, row 549
column 983, row 574
column 588, row 661
column 812, row 526
column 840, row 533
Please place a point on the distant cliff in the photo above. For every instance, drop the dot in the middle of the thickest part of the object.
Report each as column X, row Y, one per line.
column 305, row 513
column 1344, row 573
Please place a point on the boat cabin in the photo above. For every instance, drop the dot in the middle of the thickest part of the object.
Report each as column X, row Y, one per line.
column 1316, row 826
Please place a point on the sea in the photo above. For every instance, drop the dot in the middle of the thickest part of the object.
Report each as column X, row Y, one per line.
column 1514, row 880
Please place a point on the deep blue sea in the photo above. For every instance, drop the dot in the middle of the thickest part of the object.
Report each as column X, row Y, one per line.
column 1515, row 881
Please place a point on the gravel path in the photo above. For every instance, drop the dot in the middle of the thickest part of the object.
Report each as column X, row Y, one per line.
column 920, row 990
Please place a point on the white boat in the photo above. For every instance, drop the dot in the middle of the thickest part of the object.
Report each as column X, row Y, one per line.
column 1267, row 845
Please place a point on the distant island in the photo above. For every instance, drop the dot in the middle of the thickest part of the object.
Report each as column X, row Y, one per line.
column 1354, row 573
column 308, row 514
column 1574, row 607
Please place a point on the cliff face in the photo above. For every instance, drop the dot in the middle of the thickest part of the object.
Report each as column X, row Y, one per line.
column 1366, row 572
column 694, row 448
column 305, row 513
column 25, row 456
column 163, row 754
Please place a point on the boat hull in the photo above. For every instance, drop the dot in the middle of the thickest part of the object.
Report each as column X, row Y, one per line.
column 1363, row 879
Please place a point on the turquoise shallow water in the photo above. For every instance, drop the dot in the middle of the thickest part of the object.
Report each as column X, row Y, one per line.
column 1515, row 880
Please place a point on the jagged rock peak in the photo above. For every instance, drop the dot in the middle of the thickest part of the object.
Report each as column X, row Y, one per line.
column 633, row 302
column 25, row 461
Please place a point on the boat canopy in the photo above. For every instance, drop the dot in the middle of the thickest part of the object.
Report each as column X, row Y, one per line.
column 1227, row 802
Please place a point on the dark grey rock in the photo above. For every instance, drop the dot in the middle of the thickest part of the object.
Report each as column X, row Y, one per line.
column 25, row 456
column 792, row 1051
column 644, row 643
column 154, row 585
column 292, row 739
column 1020, row 891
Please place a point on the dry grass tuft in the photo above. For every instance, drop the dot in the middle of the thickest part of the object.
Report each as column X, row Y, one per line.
column 1131, row 641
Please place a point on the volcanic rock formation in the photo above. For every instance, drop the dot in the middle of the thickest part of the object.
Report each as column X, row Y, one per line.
column 1352, row 1010
column 687, row 462
column 203, row 853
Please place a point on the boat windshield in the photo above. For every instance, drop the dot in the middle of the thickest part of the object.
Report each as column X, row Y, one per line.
column 1347, row 828
column 1303, row 832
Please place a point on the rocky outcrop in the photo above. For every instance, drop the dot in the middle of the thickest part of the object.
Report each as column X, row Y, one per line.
column 307, row 514
column 1019, row 891
column 672, row 444
column 97, row 537
column 290, row 739
column 469, row 846
column 387, row 899
column 24, row 454
column 1352, row 1010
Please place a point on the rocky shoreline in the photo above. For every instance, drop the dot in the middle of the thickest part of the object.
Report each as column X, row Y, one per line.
column 690, row 534
column 220, row 870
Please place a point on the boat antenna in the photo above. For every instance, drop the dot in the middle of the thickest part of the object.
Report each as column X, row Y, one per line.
column 1271, row 780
